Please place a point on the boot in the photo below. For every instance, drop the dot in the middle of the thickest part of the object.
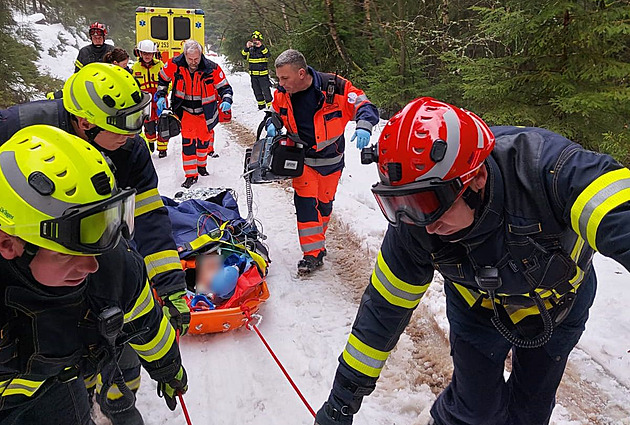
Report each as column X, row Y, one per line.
column 202, row 171
column 213, row 154
column 152, row 146
column 126, row 417
column 189, row 182
column 162, row 154
column 310, row 263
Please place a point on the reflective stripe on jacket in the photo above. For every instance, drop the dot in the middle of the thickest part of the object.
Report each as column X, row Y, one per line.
column 348, row 103
column 196, row 93
column 257, row 58
column 153, row 236
column 48, row 336
column 548, row 204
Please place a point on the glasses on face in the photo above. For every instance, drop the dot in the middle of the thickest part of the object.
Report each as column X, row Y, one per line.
column 420, row 203
column 94, row 228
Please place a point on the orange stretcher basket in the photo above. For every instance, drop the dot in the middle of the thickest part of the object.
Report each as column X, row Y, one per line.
column 251, row 291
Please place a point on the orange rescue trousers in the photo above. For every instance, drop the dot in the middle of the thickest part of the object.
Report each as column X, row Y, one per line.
column 197, row 142
column 313, row 198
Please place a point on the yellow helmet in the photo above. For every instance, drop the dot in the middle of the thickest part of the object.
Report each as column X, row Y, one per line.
column 107, row 96
column 257, row 35
column 59, row 193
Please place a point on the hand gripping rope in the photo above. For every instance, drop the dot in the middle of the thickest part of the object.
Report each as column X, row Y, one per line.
column 251, row 325
column 179, row 393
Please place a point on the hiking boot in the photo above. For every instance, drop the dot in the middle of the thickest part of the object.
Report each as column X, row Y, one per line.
column 310, row 263
column 162, row 154
column 189, row 182
column 202, row 171
column 213, row 154
column 127, row 417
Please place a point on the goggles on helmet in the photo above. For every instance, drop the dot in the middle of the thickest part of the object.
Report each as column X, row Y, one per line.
column 132, row 119
column 420, row 203
column 93, row 228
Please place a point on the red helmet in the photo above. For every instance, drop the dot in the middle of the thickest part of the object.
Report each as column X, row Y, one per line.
column 428, row 154
column 96, row 28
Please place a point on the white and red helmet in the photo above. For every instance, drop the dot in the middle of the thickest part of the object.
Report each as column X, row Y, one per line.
column 428, row 154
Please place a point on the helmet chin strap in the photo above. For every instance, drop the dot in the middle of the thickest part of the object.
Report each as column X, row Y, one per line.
column 92, row 133
column 473, row 199
column 27, row 256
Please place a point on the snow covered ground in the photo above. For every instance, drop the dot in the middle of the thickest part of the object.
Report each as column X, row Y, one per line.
column 233, row 379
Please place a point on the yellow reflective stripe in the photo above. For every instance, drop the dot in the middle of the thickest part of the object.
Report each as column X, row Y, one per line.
column 114, row 392
column 148, row 201
column 159, row 345
column 363, row 358
column 144, row 304
column 598, row 199
column 78, row 64
column 394, row 290
column 161, row 262
column 19, row 386
column 90, row 381
column 258, row 60
column 469, row 295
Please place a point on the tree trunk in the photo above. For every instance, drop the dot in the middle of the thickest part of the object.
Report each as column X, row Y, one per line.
column 285, row 18
column 332, row 26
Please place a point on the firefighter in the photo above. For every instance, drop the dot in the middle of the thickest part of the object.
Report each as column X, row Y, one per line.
column 257, row 56
column 103, row 104
column 200, row 89
column 315, row 108
column 146, row 71
column 510, row 217
column 97, row 50
column 71, row 286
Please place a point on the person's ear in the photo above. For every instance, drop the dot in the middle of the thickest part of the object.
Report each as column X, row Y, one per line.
column 10, row 246
column 479, row 181
column 302, row 73
column 84, row 124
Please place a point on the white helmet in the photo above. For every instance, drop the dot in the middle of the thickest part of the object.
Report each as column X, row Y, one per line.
column 147, row 46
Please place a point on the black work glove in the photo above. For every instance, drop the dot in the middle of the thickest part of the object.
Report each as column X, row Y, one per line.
column 176, row 311
column 170, row 389
column 328, row 415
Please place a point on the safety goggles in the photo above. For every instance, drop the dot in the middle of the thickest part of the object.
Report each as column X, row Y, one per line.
column 132, row 119
column 93, row 228
column 420, row 203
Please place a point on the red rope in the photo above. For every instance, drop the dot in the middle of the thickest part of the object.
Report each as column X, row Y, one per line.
column 179, row 393
column 286, row 374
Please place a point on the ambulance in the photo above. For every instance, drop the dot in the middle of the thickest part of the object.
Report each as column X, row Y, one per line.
column 169, row 28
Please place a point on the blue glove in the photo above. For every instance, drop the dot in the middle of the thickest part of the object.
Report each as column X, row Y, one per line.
column 161, row 105
column 362, row 136
column 271, row 130
column 225, row 106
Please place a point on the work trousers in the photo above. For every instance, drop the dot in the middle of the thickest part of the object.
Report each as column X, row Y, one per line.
column 313, row 198
column 262, row 90
column 478, row 393
column 197, row 143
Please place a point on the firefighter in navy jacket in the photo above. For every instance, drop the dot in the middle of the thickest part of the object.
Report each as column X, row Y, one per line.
column 70, row 285
column 88, row 116
column 510, row 217
column 315, row 108
column 257, row 55
column 200, row 89
column 96, row 51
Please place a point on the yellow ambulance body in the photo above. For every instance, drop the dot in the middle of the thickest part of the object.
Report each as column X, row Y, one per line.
column 169, row 27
